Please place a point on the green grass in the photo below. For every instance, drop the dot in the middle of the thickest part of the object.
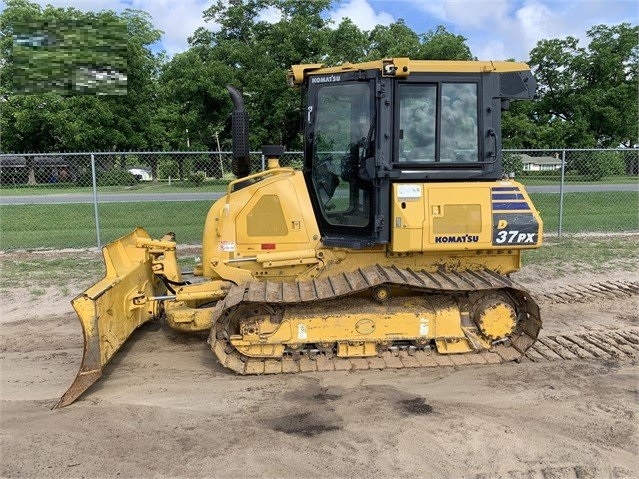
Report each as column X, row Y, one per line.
column 589, row 212
column 586, row 254
column 70, row 272
column 219, row 185
column 73, row 226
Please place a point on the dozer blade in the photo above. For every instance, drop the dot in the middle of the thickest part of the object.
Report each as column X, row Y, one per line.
column 114, row 307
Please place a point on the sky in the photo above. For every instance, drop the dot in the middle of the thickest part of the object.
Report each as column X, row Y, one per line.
column 494, row 29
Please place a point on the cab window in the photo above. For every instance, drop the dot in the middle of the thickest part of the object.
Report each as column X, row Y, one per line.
column 438, row 123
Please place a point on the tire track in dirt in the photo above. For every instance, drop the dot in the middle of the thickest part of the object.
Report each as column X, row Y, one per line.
column 583, row 293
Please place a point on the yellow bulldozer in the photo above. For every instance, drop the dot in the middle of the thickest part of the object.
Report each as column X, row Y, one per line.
column 391, row 247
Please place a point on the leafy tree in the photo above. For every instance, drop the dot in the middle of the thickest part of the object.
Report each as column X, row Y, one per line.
column 70, row 56
column 598, row 164
column 398, row 40
column 588, row 96
column 252, row 55
column 347, row 44
column 440, row 44
column 395, row 40
column 524, row 126
column 194, row 98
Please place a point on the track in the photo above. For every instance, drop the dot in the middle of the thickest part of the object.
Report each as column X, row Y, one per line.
column 593, row 345
column 611, row 345
column 608, row 344
column 343, row 285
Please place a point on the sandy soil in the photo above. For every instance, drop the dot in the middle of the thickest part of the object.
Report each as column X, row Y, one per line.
column 165, row 408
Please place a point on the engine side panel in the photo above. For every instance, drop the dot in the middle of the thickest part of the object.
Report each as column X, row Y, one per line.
column 463, row 216
column 266, row 229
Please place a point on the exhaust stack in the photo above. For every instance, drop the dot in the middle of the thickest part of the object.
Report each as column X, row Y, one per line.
column 240, row 132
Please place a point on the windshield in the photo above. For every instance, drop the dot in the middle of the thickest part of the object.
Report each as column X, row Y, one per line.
column 340, row 138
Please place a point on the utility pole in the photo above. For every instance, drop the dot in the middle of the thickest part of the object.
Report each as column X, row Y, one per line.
column 219, row 152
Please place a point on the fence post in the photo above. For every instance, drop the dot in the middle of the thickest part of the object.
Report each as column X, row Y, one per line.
column 95, row 201
column 561, row 192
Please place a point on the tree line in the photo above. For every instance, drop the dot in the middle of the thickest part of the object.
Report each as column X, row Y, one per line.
column 587, row 95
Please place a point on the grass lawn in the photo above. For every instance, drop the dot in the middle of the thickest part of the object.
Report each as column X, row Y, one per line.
column 73, row 225
column 596, row 254
column 219, row 185
column 593, row 211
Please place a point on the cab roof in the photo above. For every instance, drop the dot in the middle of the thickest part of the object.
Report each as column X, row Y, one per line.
column 403, row 67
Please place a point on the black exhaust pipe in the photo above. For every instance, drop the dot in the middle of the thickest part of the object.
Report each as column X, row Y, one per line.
column 240, row 132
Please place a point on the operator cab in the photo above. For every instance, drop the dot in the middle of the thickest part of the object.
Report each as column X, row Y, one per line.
column 373, row 124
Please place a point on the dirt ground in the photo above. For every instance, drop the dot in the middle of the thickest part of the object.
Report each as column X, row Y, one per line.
column 165, row 408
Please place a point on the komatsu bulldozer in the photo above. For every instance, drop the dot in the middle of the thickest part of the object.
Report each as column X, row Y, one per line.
column 392, row 246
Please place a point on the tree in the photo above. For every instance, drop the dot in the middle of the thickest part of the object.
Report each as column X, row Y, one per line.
column 252, row 55
column 525, row 126
column 190, row 94
column 347, row 44
column 398, row 40
column 395, row 40
column 595, row 165
column 588, row 96
column 440, row 44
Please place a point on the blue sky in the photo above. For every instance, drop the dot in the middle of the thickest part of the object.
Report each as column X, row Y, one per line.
column 495, row 29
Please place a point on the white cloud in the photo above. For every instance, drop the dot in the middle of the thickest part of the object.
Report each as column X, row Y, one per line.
column 536, row 21
column 361, row 14
column 177, row 19
column 481, row 22
column 501, row 29
column 491, row 50
column 475, row 14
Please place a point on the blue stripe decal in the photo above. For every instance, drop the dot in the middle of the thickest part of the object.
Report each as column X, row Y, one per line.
column 510, row 206
column 508, row 196
column 505, row 188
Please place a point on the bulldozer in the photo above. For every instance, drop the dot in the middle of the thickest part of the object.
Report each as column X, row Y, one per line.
column 393, row 245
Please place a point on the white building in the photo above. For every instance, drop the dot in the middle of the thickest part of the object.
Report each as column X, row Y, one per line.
column 541, row 163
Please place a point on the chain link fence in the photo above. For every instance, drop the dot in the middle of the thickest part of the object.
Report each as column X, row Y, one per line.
column 74, row 200
column 580, row 191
